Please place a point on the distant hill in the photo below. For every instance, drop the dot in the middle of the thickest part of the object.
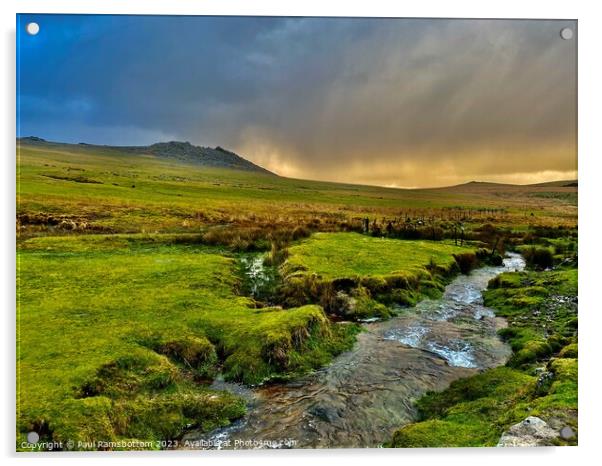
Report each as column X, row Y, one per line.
column 175, row 150
column 558, row 184
column 483, row 186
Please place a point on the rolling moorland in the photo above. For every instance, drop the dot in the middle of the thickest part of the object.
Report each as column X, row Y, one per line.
column 134, row 290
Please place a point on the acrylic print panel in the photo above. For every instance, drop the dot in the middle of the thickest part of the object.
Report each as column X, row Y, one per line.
column 268, row 232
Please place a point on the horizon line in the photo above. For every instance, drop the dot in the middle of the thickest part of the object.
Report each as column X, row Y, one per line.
column 81, row 143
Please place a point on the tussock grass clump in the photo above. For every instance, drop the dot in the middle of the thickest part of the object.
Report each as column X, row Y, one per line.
column 530, row 352
column 569, row 351
column 277, row 255
column 166, row 416
column 466, row 261
column 539, row 258
column 542, row 252
column 238, row 239
column 288, row 343
column 278, row 344
column 193, row 352
column 358, row 304
column 259, row 237
column 300, row 232
column 494, row 258
column 345, row 298
column 130, row 374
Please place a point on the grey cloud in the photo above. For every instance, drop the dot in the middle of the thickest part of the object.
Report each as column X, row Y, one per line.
column 404, row 102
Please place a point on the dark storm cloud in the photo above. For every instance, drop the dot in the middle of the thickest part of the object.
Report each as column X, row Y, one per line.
column 390, row 102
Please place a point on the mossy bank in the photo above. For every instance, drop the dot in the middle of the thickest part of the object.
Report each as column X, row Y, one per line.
column 540, row 378
column 356, row 277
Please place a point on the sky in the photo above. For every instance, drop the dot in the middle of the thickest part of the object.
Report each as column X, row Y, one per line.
column 388, row 102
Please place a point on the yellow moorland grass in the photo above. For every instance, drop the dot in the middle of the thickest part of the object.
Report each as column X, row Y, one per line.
column 144, row 193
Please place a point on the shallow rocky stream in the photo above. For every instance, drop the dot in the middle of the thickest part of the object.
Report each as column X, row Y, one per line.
column 368, row 392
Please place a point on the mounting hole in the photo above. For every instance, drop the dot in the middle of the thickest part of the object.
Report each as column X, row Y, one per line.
column 33, row 437
column 567, row 433
column 32, row 28
column 566, row 33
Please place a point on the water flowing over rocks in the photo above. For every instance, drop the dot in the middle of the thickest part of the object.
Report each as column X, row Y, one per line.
column 367, row 392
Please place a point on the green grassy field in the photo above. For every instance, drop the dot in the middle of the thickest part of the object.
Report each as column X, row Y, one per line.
column 131, row 297
column 86, row 303
column 339, row 255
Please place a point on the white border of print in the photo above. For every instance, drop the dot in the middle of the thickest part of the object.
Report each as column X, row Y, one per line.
column 590, row 187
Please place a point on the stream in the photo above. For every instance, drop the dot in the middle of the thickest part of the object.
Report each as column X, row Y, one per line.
column 368, row 392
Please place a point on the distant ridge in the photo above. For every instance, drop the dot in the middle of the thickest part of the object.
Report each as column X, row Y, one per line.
column 489, row 184
column 175, row 150
column 558, row 184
